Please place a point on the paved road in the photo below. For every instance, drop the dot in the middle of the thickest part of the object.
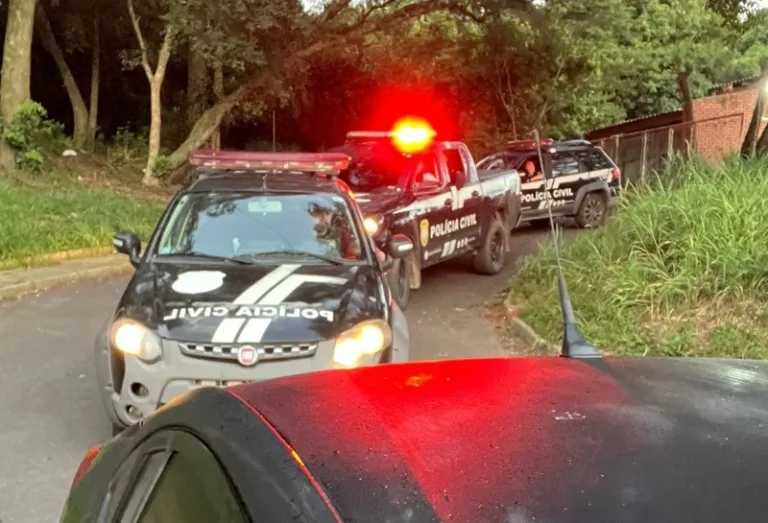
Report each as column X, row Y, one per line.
column 51, row 414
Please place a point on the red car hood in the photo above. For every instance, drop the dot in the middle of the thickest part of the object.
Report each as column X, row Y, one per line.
column 517, row 440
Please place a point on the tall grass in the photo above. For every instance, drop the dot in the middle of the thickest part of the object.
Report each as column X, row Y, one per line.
column 681, row 269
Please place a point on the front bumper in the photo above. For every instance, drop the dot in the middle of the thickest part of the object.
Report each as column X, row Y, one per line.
column 146, row 387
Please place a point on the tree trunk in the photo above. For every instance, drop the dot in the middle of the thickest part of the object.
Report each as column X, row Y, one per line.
column 197, row 86
column 687, row 102
column 751, row 145
column 16, row 70
column 205, row 127
column 218, row 92
column 79, row 110
column 155, row 128
column 93, row 109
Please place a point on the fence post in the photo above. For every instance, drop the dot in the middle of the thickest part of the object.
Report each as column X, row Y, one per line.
column 616, row 149
column 643, row 154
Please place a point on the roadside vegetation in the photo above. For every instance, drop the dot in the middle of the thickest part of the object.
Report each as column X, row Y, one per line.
column 679, row 270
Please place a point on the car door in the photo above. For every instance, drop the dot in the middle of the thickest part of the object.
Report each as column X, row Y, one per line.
column 432, row 206
column 177, row 479
column 460, row 227
column 568, row 174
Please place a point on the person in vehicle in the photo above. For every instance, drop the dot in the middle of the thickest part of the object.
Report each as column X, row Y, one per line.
column 330, row 227
column 530, row 172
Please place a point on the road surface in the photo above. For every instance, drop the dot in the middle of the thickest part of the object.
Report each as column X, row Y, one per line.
column 51, row 414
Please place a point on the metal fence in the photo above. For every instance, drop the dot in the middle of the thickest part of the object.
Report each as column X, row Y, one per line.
column 642, row 152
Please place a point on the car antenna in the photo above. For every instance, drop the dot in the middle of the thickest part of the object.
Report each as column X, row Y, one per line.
column 575, row 345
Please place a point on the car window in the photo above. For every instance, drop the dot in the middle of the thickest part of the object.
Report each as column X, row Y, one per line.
column 249, row 224
column 192, row 489
column 564, row 164
column 427, row 175
column 454, row 162
column 376, row 165
column 491, row 162
column 594, row 159
column 147, row 475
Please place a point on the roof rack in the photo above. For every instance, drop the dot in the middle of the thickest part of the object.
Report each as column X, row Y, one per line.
column 309, row 163
column 575, row 142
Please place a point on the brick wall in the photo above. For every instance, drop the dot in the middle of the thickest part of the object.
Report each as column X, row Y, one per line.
column 722, row 121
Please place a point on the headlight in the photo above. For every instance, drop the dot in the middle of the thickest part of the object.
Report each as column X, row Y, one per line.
column 364, row 339
column 133, row 338
column 372, row 225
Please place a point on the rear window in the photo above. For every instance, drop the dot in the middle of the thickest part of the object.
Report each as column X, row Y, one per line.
column 377, row 164
column 594, row 159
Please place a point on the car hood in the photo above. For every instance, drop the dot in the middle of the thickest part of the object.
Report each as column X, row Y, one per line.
column 380, row 200
column 520, row 440
column 262, row 302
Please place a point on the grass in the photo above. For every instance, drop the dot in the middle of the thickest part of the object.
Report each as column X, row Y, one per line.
column 680, row 270
column 57, row 213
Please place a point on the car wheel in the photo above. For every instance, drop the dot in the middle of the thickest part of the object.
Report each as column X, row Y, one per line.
column 400, row 282
column 492, row 254
column 592, row 212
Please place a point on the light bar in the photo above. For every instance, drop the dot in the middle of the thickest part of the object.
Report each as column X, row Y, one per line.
column 529, row 144
column 297, row 162
column 370, row 134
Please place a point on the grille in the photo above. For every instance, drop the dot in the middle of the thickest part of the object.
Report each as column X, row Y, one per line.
column 265, row 351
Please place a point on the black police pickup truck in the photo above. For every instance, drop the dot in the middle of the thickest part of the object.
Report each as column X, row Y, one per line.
column 434, row 195
column 260, row 268
column 584, row 183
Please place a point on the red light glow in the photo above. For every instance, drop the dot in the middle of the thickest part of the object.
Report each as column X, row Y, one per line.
column 412, row 135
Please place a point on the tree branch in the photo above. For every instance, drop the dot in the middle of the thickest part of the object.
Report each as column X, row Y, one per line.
column 142, row 44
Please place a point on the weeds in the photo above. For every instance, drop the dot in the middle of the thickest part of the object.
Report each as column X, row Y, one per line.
column 681, row 269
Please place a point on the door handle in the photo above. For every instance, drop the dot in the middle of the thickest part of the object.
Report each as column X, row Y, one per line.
column 475, row 194
column 448, row 202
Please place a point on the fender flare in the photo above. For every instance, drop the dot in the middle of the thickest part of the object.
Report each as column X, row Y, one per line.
column 600, row 186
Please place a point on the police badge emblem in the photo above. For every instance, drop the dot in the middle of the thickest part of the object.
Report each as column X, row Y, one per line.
column 424, row 232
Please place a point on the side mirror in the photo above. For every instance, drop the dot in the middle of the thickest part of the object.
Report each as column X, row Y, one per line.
column 130, row 244
column 460, row 179
column 399, row 246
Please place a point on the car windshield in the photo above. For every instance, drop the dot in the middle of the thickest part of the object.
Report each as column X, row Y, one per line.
column 376, row 165
column 248, row 226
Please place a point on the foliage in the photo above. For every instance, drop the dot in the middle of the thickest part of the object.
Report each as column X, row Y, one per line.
column 679, row 270
column 29, row 132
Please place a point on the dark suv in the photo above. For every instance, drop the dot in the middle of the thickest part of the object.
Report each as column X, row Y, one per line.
column 582, row 181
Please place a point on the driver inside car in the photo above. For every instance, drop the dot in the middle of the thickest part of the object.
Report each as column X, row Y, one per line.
column 331, row 228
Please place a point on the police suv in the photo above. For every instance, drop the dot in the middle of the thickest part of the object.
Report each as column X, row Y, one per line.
column 585, row 183
column 430, row 191
column 260, row 268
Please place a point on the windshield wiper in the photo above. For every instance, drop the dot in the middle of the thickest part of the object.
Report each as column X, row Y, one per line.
column 292, row 252
column 202, row 255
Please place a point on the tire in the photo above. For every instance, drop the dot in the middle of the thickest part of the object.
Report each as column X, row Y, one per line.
column 399, row 279
column 491, row 256
column 592, row 211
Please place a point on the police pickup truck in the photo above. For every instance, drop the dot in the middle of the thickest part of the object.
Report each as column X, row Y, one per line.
column 430, row 191
column 585, row 183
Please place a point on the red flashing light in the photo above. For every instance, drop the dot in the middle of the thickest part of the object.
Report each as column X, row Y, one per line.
column 85, row 465
column 302, row 162
column 412, row 135
column 616, row 173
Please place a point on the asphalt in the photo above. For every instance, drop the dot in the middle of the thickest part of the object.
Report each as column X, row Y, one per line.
column 52, row 415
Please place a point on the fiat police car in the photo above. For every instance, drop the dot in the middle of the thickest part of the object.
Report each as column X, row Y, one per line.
column 260, row 268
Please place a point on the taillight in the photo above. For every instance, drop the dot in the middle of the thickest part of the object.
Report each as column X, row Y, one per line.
column 615, row 173
column 88, row 460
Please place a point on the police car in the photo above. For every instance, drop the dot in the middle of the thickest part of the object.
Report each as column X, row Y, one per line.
column 585, row 182
column 407, row 182
column 260, row 268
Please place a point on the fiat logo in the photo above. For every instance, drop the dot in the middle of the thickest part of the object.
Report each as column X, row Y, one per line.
column 247, row 356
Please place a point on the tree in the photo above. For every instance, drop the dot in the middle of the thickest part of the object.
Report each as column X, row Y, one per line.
column 79, row 109
column 17, row 55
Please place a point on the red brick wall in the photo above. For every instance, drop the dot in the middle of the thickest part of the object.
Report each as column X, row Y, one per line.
column 726, row 119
